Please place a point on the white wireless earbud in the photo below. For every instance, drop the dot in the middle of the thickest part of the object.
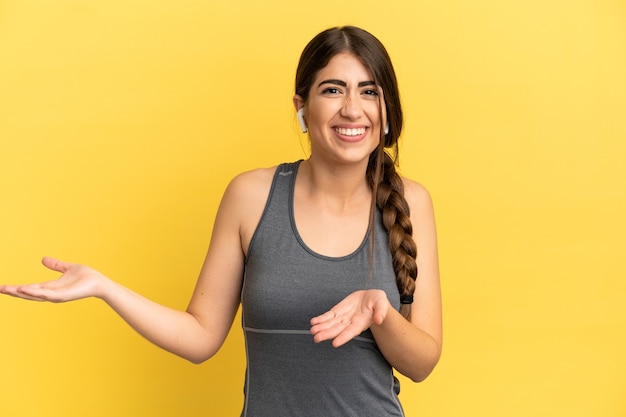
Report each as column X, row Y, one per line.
column 387, row 128
column 301, row 119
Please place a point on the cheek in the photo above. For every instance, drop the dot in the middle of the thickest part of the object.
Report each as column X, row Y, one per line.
column 320, row 114
column 375, row 115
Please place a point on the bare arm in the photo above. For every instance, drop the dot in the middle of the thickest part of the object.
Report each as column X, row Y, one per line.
column 195, row 334
column 198, row 333
column 413, row 347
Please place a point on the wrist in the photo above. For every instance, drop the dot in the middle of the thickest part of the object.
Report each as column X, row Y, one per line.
column 104, row 287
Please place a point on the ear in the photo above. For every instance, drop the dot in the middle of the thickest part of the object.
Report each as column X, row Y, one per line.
column 298, row 103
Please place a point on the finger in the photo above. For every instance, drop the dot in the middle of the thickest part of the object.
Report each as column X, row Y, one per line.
column 381, row 308
column 8, row 290
column 329, row 315
column 328, row 334
column 322, row 327
column 55, row 264
column 357, row 325
column 327, row 321
column 349, row 333
column 31, row 290
column 378, row 318
column 16, row 291
column 330, row 330
column 40, row 292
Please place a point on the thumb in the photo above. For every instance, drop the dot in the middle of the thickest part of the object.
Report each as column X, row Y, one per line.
column 378, row 317
column 380, row 311
column 55, row 264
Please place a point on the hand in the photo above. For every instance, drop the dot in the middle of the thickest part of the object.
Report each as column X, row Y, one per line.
column 353, row 315
column 77, row 282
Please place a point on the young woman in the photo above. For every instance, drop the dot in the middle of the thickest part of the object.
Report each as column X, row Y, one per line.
column 333, row 259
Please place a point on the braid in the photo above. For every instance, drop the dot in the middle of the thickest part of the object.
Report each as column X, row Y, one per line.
column 386, row 185
column 395, row 216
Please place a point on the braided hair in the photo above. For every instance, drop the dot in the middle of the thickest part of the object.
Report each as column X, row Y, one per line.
column 386, row 185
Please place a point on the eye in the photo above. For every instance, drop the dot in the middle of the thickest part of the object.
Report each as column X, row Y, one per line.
column 331, row 90
column 373, row 93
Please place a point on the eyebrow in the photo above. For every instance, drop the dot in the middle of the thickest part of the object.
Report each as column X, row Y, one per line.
column 343, row 83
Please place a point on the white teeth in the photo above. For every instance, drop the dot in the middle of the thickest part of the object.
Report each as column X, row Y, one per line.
column 350, row 132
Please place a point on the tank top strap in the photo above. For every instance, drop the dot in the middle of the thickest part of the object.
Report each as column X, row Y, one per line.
column 277, row 211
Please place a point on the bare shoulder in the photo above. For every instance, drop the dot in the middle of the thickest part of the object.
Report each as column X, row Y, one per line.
column 244, row 201
column 417, row 195
column 247, row 192
column 252, row 183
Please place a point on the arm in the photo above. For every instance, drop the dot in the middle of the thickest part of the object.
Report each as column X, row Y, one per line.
column 195, row 334
column 413, row 347
column 199, row 332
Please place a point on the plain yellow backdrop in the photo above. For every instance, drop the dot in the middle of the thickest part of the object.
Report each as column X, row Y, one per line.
column 122, row 122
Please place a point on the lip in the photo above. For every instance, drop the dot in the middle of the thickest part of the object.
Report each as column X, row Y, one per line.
column 351, row 133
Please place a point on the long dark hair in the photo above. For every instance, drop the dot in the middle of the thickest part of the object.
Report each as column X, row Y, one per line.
column 387, row 186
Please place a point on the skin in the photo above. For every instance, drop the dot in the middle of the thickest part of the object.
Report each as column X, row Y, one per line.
column 331, row 205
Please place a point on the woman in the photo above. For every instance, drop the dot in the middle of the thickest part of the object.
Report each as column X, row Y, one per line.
column 322, row 254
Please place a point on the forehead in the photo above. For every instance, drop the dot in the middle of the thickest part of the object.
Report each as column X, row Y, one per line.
column 346, row 67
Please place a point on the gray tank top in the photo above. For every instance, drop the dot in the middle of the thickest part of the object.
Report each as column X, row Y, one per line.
column 285, row 285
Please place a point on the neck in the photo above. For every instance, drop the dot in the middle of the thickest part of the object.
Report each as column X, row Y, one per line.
column 339, row 184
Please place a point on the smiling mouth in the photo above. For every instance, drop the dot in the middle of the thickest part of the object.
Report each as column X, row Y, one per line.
column 350, row 132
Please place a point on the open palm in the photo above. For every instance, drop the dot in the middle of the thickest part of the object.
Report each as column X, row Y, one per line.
column 351, row 316
column 76, row 282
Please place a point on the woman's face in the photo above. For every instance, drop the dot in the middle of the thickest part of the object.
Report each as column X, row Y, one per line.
column 342, row 112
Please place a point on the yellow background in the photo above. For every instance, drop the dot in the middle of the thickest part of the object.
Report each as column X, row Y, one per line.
column 121, row 122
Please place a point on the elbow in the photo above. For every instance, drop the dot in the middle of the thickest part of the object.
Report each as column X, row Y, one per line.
column 421, row 374
column 200, row 349
column 197, row 360
column 425, row 368
column 199, row 357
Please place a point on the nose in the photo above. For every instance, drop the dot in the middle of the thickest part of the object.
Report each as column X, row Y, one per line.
column 351, row 108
